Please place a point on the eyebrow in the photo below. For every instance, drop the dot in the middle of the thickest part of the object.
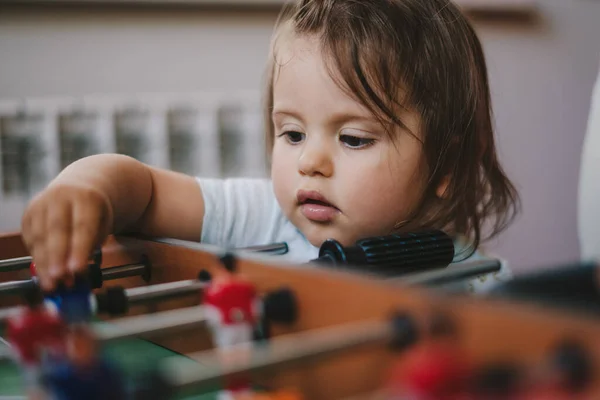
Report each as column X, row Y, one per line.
column 335, row 119
column 288, row 113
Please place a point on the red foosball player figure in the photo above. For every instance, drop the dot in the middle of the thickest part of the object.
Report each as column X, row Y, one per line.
column 435, row 369
column 83, row 373
column 33, row 272
column 232, row 307
column 33, row 334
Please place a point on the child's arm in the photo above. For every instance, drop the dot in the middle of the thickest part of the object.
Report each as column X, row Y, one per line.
column 105, row 194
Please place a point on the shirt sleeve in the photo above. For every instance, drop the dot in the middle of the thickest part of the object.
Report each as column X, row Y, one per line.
column 239, row 212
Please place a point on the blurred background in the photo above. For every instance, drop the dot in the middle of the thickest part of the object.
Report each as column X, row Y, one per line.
column 176, row 83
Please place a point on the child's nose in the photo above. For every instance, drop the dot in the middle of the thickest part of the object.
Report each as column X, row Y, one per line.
column 315, row 159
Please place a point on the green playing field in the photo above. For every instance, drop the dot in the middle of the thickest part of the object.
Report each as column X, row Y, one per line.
column 132, row 356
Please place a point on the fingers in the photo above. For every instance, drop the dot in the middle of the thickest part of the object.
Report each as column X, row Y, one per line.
column 61, row 227
column 58, row 240
column 26, row 229
column 36, row 243
column 85, row 235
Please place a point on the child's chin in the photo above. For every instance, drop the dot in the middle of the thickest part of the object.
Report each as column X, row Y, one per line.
column 317, row 233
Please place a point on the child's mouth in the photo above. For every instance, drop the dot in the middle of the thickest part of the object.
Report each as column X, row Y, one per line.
column 315, row 207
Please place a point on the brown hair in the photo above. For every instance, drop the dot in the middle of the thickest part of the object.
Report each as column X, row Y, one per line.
column 421, row 55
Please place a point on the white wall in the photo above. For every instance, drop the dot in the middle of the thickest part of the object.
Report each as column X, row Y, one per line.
column 541, row 79
column 77, row 51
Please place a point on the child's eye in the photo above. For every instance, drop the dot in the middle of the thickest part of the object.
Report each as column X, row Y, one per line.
column 356, row 142
column 293, row 137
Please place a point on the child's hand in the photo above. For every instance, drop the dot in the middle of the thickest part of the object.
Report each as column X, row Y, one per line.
column 62, row 226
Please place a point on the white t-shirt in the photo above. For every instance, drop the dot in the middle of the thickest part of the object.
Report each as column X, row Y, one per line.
column 243, row 212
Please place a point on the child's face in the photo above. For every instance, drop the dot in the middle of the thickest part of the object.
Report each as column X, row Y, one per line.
column 335, row 147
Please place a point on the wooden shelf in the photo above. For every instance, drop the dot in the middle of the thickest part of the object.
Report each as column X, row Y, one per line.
column 487, row 5
column 521, row 11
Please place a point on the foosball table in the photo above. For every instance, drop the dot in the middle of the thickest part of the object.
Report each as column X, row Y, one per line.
column 185, row 320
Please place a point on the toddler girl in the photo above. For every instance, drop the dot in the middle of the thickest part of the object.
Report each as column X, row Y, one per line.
column 378, row 120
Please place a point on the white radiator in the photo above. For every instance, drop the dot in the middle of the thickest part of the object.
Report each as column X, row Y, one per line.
column 207, row 134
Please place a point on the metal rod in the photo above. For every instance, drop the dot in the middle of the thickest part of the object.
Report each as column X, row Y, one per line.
column 163, row 323
column 164, row 291
column 450, row 274
column 274, row 249
column 6, row 313
column 140, row 295
column 213, row 365
column 15, row 264
column 20, row 263
column 112, row 273
column 5, row 349
column 167, row 322
column 15, row 287
column 123, row 271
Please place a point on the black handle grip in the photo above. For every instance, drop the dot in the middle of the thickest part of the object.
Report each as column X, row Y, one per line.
column 392, row 254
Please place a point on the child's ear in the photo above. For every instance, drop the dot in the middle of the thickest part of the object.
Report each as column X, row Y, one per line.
column 442, row 189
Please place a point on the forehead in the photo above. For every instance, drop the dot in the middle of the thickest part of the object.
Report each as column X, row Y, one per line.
column 306, row 81
column 303, row 74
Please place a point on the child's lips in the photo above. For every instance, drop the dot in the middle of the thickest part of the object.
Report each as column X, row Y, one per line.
column 315, row 207
column 318, row 212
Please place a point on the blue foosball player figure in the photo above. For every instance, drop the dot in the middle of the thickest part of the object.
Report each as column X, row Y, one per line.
column 75, row 303
column 83, row 373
